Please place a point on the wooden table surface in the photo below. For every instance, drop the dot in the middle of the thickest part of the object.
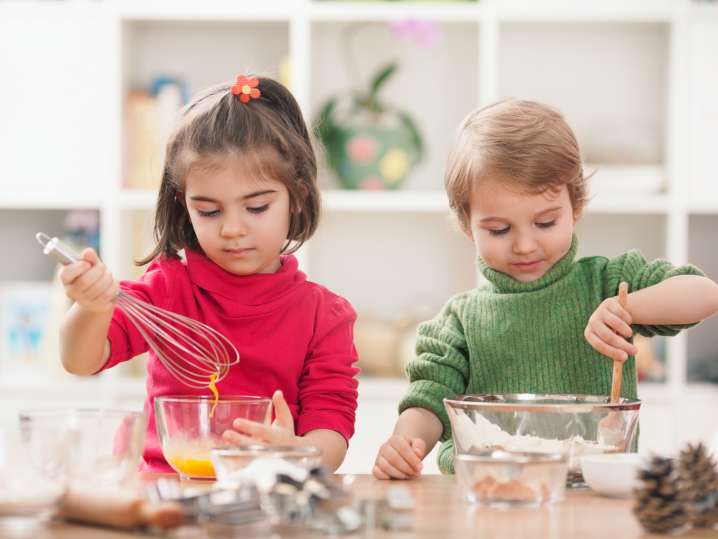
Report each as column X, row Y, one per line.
column 440, row 512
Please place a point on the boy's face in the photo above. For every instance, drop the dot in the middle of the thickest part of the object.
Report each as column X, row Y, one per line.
column 517, row 233
column 241, row 221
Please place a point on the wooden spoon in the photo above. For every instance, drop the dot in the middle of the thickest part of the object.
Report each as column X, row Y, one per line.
column 617, row 364
column 611, row 428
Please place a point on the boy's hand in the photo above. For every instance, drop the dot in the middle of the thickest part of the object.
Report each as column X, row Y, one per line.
column 610, row 326
column 89, row 283
column 399, row 458
column 280, row 432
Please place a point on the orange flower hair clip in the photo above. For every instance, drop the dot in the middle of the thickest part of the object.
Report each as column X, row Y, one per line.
column 246, row 88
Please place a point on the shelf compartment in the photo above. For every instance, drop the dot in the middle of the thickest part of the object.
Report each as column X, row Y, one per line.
column 199, row 54
column 421, row 85
column 616, row 105
column 58, row 102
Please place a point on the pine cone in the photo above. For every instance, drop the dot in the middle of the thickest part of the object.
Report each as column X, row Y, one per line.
column 659, row 507
column 698, row 484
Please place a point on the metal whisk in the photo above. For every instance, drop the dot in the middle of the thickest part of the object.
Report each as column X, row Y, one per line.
column 193, row 352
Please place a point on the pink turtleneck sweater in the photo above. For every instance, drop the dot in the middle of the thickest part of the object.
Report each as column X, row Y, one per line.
column 291, row 334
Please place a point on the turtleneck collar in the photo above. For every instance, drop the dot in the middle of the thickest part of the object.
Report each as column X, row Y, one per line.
column 249, row 290
column 506, row 284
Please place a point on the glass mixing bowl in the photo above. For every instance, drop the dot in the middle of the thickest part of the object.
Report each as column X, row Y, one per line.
column 187, row 432
column 534, row 423
column 33, row 473
column 104, row 445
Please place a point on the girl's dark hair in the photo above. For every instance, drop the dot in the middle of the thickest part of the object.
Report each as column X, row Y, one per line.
column 269, row 133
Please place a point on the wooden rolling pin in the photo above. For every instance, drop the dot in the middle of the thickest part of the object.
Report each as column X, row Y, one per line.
column 122, row 509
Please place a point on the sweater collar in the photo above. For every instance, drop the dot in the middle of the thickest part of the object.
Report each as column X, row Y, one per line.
column 251, row 290
column 507, row 284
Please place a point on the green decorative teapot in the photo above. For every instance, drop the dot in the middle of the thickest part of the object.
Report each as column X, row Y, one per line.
column 369, row 145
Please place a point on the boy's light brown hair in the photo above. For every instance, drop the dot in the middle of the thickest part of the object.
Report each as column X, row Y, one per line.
column 524, row 142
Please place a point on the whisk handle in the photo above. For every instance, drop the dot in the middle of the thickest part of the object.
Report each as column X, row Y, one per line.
column 57, row 249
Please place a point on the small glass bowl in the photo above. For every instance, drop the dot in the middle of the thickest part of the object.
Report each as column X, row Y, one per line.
column 230, row 461
column 502, row 479
column 189, row 426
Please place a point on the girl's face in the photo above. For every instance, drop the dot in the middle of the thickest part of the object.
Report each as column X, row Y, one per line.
column 520, row 234
column 241, row 220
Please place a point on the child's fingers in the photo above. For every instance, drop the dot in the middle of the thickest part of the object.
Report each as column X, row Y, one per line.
column 101, row 287
column 236, row 438
column 379, row 473
column 398, row 459
column 403, row 447
column 252, row 428
column 389, row 468
column 84, row 283
column 89, row 255
column 282, row 413
column 616, row 309
column 608, row 336
column 623, row 294
column 69, row 273
column 419, row 447
column 604, row 348
column 617, row 324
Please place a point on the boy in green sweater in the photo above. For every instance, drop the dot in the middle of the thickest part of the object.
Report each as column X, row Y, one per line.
column 543, row 322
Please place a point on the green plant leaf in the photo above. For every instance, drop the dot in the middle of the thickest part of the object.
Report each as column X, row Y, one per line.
column 380, row 79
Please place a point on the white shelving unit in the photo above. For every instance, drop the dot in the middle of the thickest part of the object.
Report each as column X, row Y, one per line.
column 636, row 80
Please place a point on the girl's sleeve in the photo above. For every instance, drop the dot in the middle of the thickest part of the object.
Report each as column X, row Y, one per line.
column 639, row 273
column 440, row 368
column 328, row 385
column 125, row 341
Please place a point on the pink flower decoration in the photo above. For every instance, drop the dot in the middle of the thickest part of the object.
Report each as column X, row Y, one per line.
column 425, row 33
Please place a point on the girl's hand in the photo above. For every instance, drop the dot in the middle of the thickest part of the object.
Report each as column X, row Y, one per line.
column 89, row 283
column 280, row 432
column 399, row 458
column 610, row 326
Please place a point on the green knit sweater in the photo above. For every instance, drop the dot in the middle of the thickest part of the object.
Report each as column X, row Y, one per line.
column 512, row 337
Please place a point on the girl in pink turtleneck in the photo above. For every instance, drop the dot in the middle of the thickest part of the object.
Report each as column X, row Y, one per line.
column 238, row 196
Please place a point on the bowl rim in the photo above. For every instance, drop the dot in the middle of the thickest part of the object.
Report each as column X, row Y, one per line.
column 533, row 402
column 232, row 399
column 621, row 457
column 499, row 457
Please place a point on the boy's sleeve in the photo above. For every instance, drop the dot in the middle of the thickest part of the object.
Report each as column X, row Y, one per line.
column 125, row 341
column 328, row 385
column 441, row 366
column 633, row 268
